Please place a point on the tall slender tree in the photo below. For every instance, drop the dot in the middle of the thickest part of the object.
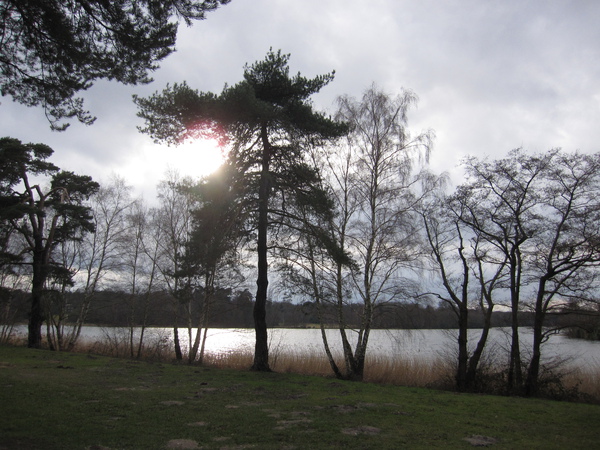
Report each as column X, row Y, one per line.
column 268, row 121
column 378, row 199
column 174, row 223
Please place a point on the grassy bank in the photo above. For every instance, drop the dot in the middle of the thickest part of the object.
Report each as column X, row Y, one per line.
column 52, row 400
column 558, row 380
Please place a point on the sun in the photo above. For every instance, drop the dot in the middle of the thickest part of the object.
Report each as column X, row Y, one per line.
column 150, row 163
column 196, row 158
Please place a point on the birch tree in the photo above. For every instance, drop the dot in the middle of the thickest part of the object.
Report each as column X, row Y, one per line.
column 381, row 231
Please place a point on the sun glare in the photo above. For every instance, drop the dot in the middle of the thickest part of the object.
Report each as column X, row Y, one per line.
column 150, row 164
column 196, row 158
column 193, row 158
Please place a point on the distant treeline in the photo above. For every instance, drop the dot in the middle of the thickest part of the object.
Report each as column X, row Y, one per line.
column 234, row 310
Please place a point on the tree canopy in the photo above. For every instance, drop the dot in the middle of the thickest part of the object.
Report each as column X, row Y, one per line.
column 52, row 50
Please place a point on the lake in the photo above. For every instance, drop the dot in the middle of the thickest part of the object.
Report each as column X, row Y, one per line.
column 420, row 344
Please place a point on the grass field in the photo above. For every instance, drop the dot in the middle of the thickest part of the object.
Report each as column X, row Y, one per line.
column 52, row 400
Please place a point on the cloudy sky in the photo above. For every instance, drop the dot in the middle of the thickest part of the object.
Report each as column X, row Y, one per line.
column 490, row 77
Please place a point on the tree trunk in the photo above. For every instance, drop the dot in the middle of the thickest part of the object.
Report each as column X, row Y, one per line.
column 514, row 369
column 347, row 348
column 317, row 296
column 463, row 349
column 73, row 336
column 360, row 354
column 36, row 316
column 515, row 374
column 332, row 363
column 209, row 290
column 531, row 383
column 261, row 349
column 478, row 352
column 178, row 354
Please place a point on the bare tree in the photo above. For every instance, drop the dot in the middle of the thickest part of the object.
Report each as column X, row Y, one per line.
column 459, row 259
column 140, row 272
column 499, row 203
column 566, row 251
column 174, row 225
column 100, row 255
column 374, row 187
column 539, row 214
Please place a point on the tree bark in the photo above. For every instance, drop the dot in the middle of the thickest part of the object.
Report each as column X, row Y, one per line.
column 515, row 374
column 36, row 316
column 463, row 350
column 471, row 378
column 261, row 348
column 532, row 380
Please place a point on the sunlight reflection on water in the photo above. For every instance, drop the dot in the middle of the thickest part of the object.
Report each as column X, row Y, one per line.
column 419, row 344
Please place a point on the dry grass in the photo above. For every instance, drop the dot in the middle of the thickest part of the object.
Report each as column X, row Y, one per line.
column 398, row 371
column 414, row 372
column 409, row 371
column 233, row 360
column 584, row 381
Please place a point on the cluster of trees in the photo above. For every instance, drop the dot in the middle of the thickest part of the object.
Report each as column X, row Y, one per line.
column 522, row 231
column 78, row 236
column 350, row 216
column 341, row 207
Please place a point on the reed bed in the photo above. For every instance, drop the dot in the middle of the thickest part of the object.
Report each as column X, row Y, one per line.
column 585, row 382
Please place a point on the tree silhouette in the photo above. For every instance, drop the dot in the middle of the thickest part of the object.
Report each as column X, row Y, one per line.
column 44, row 219
column 268, row 122
column 52, row 50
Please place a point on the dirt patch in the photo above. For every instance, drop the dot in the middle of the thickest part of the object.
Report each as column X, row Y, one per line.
column 272, row 413
column 239, row 447
column 285, row 424
column 365, row 429
column 172, row 403
column 197, row 424
column 344, row 409
column 182, row 443
column 481, row 441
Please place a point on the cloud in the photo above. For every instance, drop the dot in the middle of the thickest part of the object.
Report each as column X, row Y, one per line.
column 491, row 76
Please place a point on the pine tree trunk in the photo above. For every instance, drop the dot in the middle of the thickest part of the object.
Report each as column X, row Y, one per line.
column 36, row 316
column 261, row 349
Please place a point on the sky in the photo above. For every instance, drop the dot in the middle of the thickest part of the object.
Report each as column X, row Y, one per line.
column 490, row 76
